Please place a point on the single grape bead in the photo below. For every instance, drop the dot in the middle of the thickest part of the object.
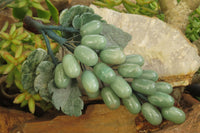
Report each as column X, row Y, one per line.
column 86, row 55
column 135, row 59
column 111, row 100
column 173, row 114
column 121, row 87
column 144, row 86
column 60, row 78
column 132, row 104
column 149, row 74
column 164, row 87
column 71, row 66
column 112, row 55
column 151, row 114
column 130, row 70
column 96, row 42
column 90, row 83
column 161, row 100
column 92, row 27
column 104, row 73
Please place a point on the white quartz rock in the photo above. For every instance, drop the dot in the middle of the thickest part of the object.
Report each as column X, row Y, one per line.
column 164, row 48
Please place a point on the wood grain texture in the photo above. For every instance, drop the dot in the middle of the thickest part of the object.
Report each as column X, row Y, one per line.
column 98, row 119
column 9, row 118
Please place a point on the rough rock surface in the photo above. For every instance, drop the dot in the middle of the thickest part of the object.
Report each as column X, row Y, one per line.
column 164, row 48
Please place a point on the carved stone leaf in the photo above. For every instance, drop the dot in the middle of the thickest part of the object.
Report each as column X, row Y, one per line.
column 67, row 99
column 67, row 16
column 44, row 73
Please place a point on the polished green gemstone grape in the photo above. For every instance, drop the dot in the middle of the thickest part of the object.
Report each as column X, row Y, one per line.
column 144, row 86
column 71, row 66
column 164, row 87
column 60, row 78
column 135, row 59
column 104, row 73
column 121, row 87
column 90, row 83
column 111, row 100
column 130, row 70
column 161, row 100
column 149, row 74
column 97, row 42
column 90, row 28
column 173, row 114
column 151, row 114
column 86, row 55
column 132, row 104
column 113, row 55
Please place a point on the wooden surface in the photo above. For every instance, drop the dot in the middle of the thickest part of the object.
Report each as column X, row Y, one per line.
column 98, row 119
column 10, row 118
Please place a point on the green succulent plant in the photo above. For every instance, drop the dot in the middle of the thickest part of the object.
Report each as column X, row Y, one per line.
column 192, row 30
column 22, row 8
column 13, row 53
column 143, row 7
column 14, row 48
column 15, row 45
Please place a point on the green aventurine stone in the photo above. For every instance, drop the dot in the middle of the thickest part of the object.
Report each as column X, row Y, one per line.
column 92, row 27
column 135, row 59
column 112, row 55
column 110, row 99
column 121, row 87
column 71, row 66
column 161, row 100
column 164, row 87
column 144, row 86
column 86, row 55
column 90, row 83
column 97, row 42
column 149, row 74
column 61, row 80
column 132, row 104
column 130, row 70
column 104, row 73
column 173, row 114
column 151, row 114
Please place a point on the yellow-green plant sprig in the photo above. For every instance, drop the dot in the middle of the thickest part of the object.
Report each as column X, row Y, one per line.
column 15, row 45
column 143, row 7
column 27, row 99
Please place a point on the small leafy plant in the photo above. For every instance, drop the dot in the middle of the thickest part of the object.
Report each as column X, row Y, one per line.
column 15, row 46
column 143, row 7
column 96, row 57
column 193, row 28
column 13, row 53
column 22, row 8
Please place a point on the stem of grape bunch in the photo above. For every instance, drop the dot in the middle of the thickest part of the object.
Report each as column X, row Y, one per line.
column 47, row 30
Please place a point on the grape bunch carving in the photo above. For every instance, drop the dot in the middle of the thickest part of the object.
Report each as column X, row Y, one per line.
column 96, row 57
